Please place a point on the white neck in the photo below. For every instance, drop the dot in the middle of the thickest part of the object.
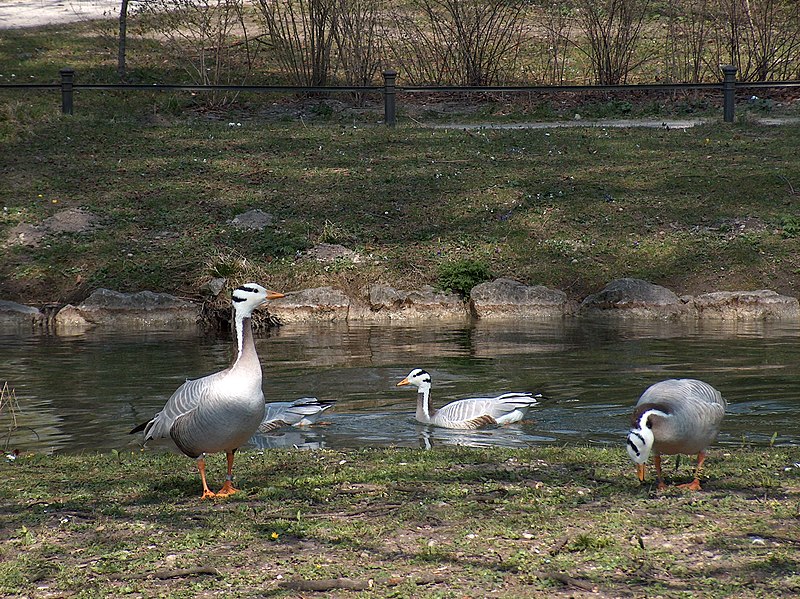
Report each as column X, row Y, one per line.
column 423, row 399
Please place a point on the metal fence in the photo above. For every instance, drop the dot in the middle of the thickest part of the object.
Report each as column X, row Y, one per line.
column 728, row 86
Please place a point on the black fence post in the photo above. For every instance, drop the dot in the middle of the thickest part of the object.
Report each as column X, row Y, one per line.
column 67, row 77
column 729, row 92
column 389, row 96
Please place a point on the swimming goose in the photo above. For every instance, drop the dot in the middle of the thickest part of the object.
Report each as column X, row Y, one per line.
column 221, row 411
column 470, row 413
column 675, row 416
column 301, row 412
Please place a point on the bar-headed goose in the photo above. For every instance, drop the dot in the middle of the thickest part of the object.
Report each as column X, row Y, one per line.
column 470, row 413
column 301, row 412
column 221, row 411
column 671, row 417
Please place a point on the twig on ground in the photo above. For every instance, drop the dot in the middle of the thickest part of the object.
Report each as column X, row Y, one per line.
column 328, row 584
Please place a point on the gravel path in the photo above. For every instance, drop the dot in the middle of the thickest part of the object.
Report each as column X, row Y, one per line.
column 15, row 14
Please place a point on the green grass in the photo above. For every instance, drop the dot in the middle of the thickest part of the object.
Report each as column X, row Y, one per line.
column 450, row 522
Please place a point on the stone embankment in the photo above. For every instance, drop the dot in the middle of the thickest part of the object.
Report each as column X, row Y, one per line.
column 499, row 299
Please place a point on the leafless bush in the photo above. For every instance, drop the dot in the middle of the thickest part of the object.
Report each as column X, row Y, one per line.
column 460, row 42
column 359, row 44
column 301, row 35
column 557, row 21
column 761, row 37
column 209, row 38
column 689, row 31
column 613, row 30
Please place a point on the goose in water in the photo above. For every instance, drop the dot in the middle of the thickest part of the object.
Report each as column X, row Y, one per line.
column 470, row 413
column 671, row 417
column 221, row 411
column 301, row 412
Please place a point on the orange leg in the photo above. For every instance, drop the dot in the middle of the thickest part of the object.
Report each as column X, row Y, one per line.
column 227, row 488
column 201, row 466
column 695, row 484
column 659, row 477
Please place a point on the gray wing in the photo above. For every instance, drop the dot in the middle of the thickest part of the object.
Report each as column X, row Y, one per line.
column 302, row 411
column 691, row 391
column 185, row 399
column 475, row 412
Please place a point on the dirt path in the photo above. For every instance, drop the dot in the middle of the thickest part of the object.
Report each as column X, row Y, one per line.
column 15, row 14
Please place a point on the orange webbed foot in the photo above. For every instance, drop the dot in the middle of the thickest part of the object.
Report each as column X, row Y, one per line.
column 207, row 494
column 227, row 489
column 692, row 486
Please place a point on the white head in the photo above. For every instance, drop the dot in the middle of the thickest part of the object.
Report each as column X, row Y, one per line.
column 250, row 296
column 641, row 437
column 418, row 378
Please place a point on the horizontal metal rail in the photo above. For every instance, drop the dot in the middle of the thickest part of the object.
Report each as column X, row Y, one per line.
column 390, row 89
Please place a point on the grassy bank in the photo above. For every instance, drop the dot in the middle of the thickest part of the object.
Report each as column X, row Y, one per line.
column 451, row 522
column 714, row 207
column 698, row 210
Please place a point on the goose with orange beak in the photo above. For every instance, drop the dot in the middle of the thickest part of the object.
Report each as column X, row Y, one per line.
column 676, row 416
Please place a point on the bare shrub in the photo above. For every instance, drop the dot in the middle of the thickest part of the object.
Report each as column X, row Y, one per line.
column 761, row 37
column 613, row 30
column 359, row 43
column 301, row 35
column 557, row 22
column 208, row 38
column 458, row 42
column 688, row 36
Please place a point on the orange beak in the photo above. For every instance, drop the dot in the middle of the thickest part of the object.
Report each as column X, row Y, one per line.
column 403, row 382
column 271, row 295
column 640, row 470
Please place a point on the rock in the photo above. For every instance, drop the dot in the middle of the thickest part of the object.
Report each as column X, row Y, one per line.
column 14, row 316
column 634, row 298
column 24, row 234
column 144, row 309
column 507, row 298
column 214, row 287
column 328, row 252
column 746, row 305
column 71, row 220
column 387, row 303
column 320, row 304
column 253, row 220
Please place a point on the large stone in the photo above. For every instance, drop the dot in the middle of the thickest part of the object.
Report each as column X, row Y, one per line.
column 71, row 220
column 14, row 316
column 387, row 303
column 507, row 298
column 320, row 304
column 634, row 298
column 143, row 309
column 253, row 220
column 331, row 252
column 763, row 304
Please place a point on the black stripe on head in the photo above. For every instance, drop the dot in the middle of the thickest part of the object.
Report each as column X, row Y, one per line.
column 632, row 445
column 247, row 289
column 635, row 434
column 238, row 299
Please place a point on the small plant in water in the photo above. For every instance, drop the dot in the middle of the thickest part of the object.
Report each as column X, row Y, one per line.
column 8, row 411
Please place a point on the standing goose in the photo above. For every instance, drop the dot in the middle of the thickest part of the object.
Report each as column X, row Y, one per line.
column 301, row 412
column 221, row 411
column 470, row 413
column 671, row 417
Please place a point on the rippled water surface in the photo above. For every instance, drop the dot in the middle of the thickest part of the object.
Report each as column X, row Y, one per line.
column 86, row 392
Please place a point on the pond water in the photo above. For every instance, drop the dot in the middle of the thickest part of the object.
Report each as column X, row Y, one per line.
column 86, row 392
